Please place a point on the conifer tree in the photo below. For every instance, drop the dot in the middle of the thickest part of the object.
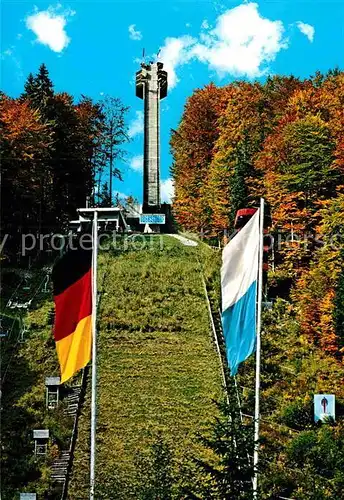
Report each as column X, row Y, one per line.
column 232, row 443
column 156, row 477
column 39, row 90
column 29, row 87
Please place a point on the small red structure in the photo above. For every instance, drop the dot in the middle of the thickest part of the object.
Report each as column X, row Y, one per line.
column 243, row 216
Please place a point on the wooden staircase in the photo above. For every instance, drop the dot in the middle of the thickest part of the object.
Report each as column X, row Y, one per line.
column 72, row 400
column 61, row 467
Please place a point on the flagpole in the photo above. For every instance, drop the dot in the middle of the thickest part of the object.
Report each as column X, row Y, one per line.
column 258, row 351
column 94, row 355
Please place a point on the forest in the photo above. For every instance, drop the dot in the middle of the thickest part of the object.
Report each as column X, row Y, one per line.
column 54, row 154
column 282, row 140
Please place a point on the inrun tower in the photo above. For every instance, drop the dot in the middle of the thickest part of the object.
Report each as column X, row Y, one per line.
column 151, row 85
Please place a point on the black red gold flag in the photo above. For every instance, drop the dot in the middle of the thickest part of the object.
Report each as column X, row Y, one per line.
column 72, row 283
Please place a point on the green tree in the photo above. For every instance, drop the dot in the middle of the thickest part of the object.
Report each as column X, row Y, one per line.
column 39, row 90
column 308, row 163
column 239, row 192
column 29, row 87
column 315, row 460
column 156, row 476
column 230, row 477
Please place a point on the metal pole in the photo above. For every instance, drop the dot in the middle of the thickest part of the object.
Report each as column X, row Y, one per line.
column 258, row 349
column 94, row 355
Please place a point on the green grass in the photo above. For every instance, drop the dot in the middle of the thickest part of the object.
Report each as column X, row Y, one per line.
column 158, row 369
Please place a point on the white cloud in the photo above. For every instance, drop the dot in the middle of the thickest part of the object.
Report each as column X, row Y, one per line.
column 306, row 29
column 175, row 52
column 136, row 125
column 49, row 27
column 167, row 190
column 136, row 163
column 242, row 43
column 133, row 33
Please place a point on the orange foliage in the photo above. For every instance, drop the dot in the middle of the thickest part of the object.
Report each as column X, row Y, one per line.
column 192, row 146
column 284, row 140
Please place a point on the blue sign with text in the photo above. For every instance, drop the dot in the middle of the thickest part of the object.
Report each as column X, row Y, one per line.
column 152, row 219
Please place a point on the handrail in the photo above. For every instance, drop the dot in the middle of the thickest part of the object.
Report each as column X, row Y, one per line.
column 75, row 433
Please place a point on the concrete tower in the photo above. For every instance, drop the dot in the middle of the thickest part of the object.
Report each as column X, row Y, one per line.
column 151, row 86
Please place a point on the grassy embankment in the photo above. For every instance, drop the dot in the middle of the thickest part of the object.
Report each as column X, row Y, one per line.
column 158, row 369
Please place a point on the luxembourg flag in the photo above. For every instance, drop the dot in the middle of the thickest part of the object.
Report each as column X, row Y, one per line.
column 239, row 276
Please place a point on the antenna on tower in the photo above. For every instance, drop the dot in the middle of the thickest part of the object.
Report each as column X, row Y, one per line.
column 143, row 55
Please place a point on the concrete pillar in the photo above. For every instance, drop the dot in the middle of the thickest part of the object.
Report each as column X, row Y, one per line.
column 151, row 86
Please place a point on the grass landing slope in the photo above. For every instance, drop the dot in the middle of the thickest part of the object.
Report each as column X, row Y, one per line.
column 158, row 368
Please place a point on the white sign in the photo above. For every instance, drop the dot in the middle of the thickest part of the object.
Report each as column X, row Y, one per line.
column 52, row 381
column 41, row 434
column 324, row 407
column 28, row 496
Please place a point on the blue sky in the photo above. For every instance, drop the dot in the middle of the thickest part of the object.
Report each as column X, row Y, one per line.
column 94, row 48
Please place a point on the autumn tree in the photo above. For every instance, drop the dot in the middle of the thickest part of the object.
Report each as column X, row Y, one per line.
column 24, row 146
column 192, row 147
column 52, row 150
column 318, row 290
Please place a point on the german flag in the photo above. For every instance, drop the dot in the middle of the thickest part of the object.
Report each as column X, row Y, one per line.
column 72, row 284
